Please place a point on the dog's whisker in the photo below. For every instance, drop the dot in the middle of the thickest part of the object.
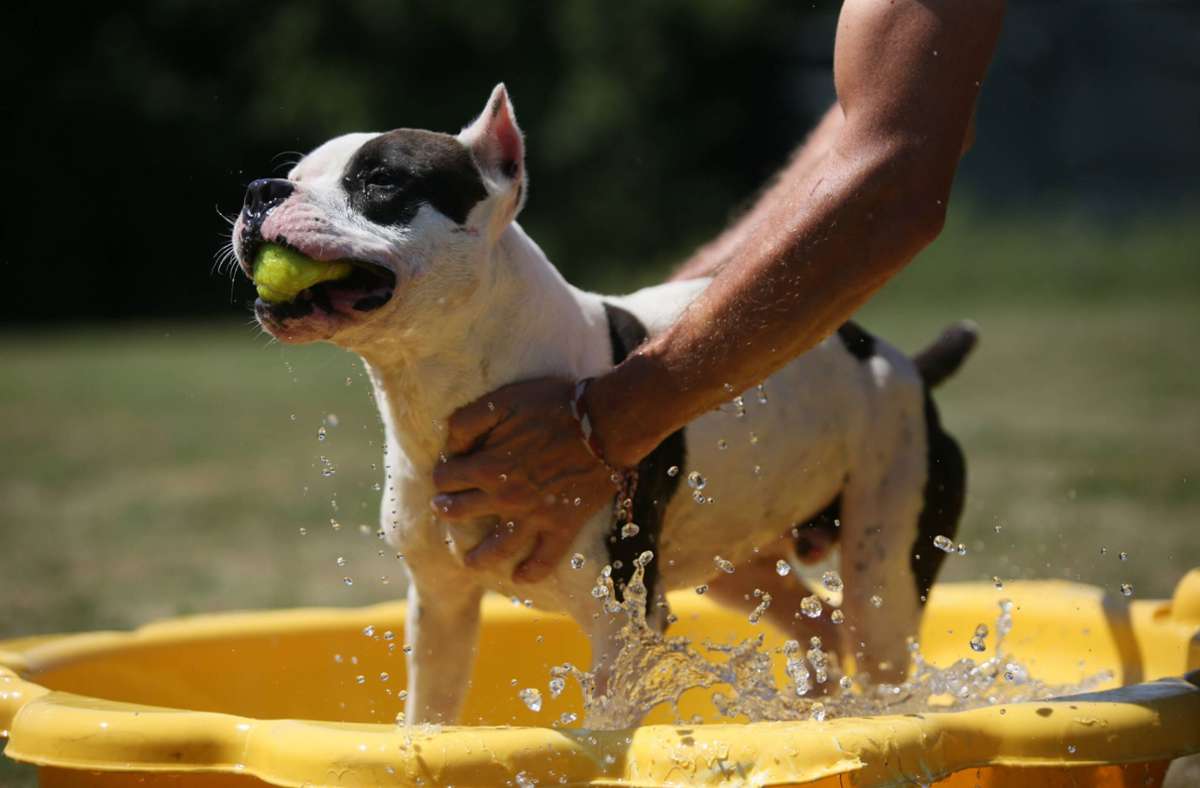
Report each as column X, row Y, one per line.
column 228, row 220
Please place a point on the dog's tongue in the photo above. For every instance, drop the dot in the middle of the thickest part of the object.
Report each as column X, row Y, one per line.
column 281, row 273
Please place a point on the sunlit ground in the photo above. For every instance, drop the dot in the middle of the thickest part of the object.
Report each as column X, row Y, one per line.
column 156, row 470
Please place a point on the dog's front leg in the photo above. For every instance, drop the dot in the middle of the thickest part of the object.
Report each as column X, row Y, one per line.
column 442, row 630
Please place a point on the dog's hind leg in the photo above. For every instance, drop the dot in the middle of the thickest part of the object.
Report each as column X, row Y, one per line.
column 443, row 631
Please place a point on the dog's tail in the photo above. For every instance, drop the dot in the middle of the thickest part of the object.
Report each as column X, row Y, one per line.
column 945, row 355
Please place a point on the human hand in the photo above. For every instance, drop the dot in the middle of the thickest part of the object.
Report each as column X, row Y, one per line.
column 517, row 454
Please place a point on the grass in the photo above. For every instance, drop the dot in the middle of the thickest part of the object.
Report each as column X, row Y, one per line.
column 150, row 471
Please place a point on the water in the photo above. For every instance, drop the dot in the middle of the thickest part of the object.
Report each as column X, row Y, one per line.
column 651, row 669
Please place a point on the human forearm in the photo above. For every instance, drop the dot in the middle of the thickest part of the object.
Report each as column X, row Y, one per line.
column 805, row 268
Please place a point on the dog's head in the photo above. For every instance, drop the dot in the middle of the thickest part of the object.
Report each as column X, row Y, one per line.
column 416, row 212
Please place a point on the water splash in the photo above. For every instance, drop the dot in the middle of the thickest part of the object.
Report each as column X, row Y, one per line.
column 652, row 669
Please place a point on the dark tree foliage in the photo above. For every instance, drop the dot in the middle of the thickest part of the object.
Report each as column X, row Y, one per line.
column 128, row 127
column 132, row 126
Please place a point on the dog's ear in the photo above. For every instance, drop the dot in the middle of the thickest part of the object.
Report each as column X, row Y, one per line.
column 495, row 142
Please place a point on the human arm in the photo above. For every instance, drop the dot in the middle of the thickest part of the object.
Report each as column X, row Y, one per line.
column 843, row 218
column 829, row 234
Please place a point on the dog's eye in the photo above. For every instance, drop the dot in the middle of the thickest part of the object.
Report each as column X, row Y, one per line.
column 382, row 180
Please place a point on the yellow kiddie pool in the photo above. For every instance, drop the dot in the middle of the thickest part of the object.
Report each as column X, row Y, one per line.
column 276, row 698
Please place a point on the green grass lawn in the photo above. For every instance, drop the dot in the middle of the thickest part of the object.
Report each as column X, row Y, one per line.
column 150, row 471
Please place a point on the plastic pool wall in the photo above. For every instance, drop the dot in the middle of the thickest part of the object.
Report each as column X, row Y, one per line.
column 274, row 698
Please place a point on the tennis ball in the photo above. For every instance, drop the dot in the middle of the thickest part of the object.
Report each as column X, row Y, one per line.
column 281, row 273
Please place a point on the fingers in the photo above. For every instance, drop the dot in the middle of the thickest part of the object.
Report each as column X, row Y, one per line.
column 466, row 505
column 467, row 472
column 549, row 550
column 471, row 422
column 501, row 545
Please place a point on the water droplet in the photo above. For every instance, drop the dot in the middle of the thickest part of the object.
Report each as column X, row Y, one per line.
column 491, row 406
column 321, row 434
column 384, row 676
column 753, row 439
column 722, row 444
column 349, row 581
column 810, row 606
column 400, row 718
column 360, row 679
column 341, row 561
column 978, row 643
column 762, row 394
column 702, row 589
column 943, row 543
column 369, row 631
column 1126, row 589
column 757, row 613
column 698, row 496
column 837, row 616
column 577, row 501
column 962, row 549
column 1071, row 748
column 523, row 780
column 303, row 531
column 876, row 600
column 557, row 685
column 724, row 565
column 503, row 477
column 334, row 524
column 567, row 718
column 673, row 471
column 782, row 568
column 696, row 481
column 845, row 682
column 327, row 467
column 532, row 698
column 832, row 581
column 1124, row 556
column 402, row 695
column 577, row 561
column 629, row 530
column 997, row 582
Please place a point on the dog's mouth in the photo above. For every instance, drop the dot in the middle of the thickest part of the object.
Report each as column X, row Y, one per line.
column 368, row 287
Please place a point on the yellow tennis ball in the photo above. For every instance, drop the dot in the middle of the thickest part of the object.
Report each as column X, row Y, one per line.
column 281, row 273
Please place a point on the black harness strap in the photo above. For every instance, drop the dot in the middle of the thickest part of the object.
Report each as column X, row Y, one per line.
column 655, row 487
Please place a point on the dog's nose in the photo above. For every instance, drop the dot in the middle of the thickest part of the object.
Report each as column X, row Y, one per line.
column 265, row 193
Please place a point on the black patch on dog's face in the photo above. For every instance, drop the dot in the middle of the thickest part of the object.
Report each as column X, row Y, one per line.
column 945, row 493
column 390, row 177
column 655, row 487
column 857, row 342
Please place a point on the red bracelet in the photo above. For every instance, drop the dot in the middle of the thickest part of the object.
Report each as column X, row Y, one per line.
column 625, row 481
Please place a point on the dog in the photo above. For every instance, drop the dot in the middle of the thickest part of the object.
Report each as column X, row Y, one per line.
column 450, row 299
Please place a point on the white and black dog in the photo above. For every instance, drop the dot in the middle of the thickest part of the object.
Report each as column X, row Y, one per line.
column 450, row 299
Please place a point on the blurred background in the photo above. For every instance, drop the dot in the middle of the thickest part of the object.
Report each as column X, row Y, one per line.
column 161, row 456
